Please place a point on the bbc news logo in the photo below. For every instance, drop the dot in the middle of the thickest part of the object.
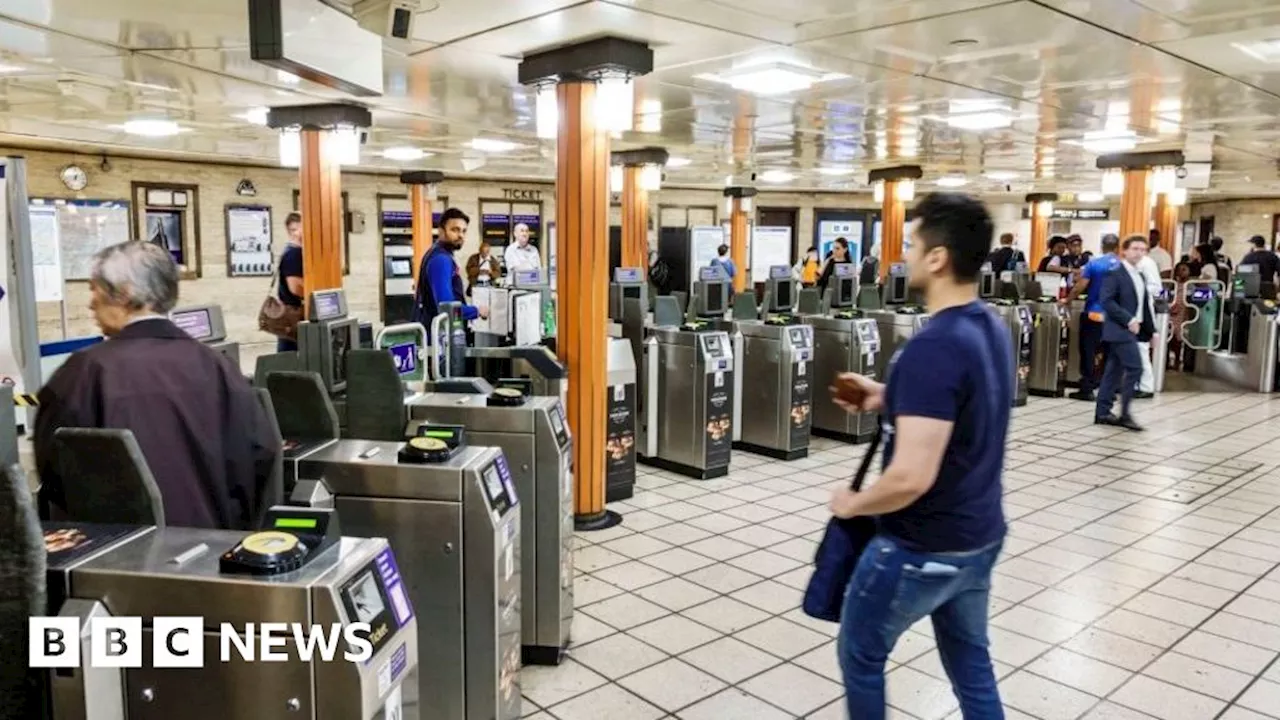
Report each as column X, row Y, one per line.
column 178, row 642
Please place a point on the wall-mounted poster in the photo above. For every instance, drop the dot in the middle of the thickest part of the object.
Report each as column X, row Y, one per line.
column 249, row 241
column 164, row 228
column 850, row 230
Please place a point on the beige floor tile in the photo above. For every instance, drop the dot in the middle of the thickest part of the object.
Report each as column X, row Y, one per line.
column 722, row 578
column 625, row 611
column 726, row 615
column 606, row 703
column 920, row 695
column 733, row 661
column 732, row 703
column 1225, row 651
column 548, row 685
column 674, row 634
column 1080, row 672
column 1036, row 624
column 1263, row 696
column 1115, row 649
column 782, row 638
column 1044, row 698
column 1147, row 629
column 1167, row 702
column 676, row 594
column 617, row 655
column 771, row 596
column 631, row 575
column 672, row 684
column 793, row 689
column 1195, row 674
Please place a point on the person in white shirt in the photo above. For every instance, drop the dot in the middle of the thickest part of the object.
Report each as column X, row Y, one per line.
column 1160, row 256
column 520, row 255
column 1148, row 273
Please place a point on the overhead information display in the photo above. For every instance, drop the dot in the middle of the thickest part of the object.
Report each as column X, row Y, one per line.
column 83, row 227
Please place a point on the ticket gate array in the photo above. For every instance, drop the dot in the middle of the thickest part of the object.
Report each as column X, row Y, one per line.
column 299, row 570
column 533, row 434
column 843, row 341
column 898, row 320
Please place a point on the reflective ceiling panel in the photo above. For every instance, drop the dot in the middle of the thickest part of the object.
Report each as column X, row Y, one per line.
column 822, row 89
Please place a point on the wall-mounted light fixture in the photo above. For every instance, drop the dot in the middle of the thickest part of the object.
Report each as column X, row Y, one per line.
column 345, row 123
column 905, row 177
column 650, row 160
column 611, row 62
column 744, row 194
column 1042, row 203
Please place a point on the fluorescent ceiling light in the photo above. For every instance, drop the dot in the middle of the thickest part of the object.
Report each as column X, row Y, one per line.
column 776, row 176
column 403, row 154
column 492, row 145
column 4, row 69
column 835, row 172
column 1090, row 197
column 678, row 162
column 1002, row 175
column 255, row 116
column 978, row 115
column 650, row 117
column 1109, row 141
column 287, row 78
column 547, row 112
column 152, row 128
column 953, row 181
column 1267, row 51
column 772, row 78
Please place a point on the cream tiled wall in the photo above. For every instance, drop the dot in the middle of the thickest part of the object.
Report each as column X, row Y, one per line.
column 1235, row 221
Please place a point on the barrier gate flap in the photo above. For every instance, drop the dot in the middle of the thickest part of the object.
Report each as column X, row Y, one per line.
column 406, row 347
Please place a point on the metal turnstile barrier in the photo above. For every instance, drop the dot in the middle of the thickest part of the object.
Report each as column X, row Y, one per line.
column 1051, row 348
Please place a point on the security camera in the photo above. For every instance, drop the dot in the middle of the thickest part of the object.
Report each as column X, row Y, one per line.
column 391, row 18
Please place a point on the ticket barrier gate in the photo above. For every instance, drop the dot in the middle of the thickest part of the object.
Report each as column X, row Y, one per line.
column 1017, row 316
column 1160, row 341
column 452, row 510
column 897, row 320
column 843, row 341
column 1201, row 329
column 299, row 570
column 205, row 323
column 533, row 435
column 774, row 372
column 1050, row 348
column 1258, row 369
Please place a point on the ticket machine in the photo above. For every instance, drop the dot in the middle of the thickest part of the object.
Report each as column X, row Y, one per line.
column 397, row 283
column 326, row 337
column 844, row 340
column 777, row 374
column 533, row 434
column 1051, row 348
column 689, row 388
column 299, row 571
column 204, row 323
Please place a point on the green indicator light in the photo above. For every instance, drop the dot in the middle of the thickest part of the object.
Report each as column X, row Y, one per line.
column 446, row 434
column 296, row 523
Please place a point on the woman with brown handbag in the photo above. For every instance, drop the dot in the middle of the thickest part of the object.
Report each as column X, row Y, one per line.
column 281, row 312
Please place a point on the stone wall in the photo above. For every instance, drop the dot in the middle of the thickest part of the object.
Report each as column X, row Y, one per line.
column 1235, row 221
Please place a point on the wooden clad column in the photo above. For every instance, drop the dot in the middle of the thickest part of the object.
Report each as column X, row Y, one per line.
column 420, row 203
column 738, row 244
column 1135, row 203
column 635, row 220
column 582, row 225
column 893, row 215
column 1166, row 219
column 1039, row 234
column 321, row 204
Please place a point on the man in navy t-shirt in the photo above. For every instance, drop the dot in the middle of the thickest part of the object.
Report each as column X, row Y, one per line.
column 1090, row 336
column 938, row 502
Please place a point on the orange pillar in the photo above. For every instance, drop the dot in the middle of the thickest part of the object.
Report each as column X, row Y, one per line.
column 1039, row 233
column 582, row 282
column 1166, row 219
column 1135, row 203
column 738, row 243
column 420, row 203
column 321, row 204
column 635, row 220
column 893, row 215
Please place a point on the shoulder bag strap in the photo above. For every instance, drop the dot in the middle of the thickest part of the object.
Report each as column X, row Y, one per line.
column 861, row 475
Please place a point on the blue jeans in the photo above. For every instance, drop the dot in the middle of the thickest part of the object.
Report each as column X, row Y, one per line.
column 1124, row 371
column 283, row 345
column 891, row 589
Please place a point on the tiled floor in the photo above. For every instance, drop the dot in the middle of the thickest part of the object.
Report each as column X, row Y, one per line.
column 1141, row 579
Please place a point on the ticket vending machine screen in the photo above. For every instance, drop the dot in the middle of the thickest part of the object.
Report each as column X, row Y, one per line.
column 401, row 268
column 867, row 333
column 713, row 300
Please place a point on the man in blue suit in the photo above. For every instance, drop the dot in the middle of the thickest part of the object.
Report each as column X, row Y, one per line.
column 1127, row 319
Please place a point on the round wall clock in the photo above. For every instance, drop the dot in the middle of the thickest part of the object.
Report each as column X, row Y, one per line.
column 74, row 177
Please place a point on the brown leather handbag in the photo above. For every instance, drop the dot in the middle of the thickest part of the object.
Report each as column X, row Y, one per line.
column 277, row 318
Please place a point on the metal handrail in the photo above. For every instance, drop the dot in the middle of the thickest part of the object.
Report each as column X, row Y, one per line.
column 1218, row 287
column 433, row 364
